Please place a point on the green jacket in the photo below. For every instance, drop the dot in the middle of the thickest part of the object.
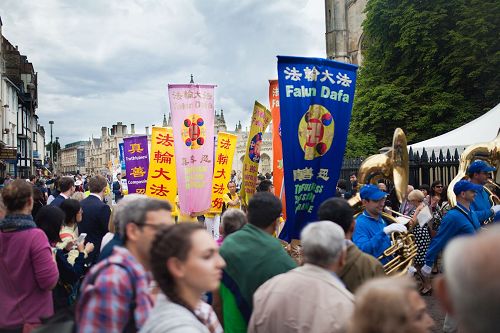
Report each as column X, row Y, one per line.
column 252, row 257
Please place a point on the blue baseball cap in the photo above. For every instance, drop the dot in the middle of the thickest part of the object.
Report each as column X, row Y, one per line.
column 371, row 192
column 480, row 166
column 465, row 185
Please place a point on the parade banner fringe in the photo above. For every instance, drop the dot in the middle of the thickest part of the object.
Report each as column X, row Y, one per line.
column 260, row 119
column 316, row 97
column 192, row 108
column 224, row 154
column 162, row 177
column 136, row 163
column 274, row 103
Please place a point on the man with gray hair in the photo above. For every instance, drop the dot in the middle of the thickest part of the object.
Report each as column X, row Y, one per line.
column 115, row 293
column 469, row 289
column 310, row 298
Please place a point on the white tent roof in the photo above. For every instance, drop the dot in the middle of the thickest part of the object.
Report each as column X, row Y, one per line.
column 482, row 129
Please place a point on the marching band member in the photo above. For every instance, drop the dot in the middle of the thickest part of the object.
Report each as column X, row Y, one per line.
column 371, row 234
column 478, row 173
column 460, row 220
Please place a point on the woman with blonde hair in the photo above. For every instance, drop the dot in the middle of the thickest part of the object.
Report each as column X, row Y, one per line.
column 419, row 225
column 390, row 305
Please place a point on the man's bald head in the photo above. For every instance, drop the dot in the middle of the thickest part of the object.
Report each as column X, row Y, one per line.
column 470, row 289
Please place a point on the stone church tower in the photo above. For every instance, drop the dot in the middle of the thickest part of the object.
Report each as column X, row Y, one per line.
column 344, row 34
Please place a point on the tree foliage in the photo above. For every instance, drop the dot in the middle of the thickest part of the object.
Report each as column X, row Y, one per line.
column 429, row 66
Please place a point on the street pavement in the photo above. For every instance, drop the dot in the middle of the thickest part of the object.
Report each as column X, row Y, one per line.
column 435, row 312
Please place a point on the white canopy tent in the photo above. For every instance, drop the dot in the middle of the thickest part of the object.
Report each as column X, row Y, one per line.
column 482, row 129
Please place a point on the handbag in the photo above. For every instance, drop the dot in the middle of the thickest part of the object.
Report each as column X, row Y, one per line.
column 27, row 327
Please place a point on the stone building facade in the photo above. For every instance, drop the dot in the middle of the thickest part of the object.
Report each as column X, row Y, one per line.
column 344, row 33
column 72, row 158
column 19, row 126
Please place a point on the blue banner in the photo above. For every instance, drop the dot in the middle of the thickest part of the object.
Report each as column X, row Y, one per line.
column 122, row 159
column 316, row 97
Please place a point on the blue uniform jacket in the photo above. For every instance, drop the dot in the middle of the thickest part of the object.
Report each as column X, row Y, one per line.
column 369, row 235
column 482, row 207
column 454, row 224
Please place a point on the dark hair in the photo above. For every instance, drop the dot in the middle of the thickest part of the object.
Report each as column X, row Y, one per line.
column 231, row 182
column 338, row 211
column 342, row 184
column 66, row 183
column 70, row 207
column 425, row 187
column 50, row 220
column 172, row 241
column 433, row 185
column 32, row 177
column 263, row 209
column 261, row 177
column 264, row 185
column 16, row 195
column 97, row 184
column 444, row 194
column 232, row 220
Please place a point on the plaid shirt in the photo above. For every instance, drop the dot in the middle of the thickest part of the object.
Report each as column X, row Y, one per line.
column 105, row 303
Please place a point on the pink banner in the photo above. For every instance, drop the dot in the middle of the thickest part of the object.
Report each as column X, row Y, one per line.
column 192, row 108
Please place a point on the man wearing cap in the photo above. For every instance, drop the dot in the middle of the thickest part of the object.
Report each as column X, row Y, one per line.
column 460, row 220
column 478, row 173
column 371, row 234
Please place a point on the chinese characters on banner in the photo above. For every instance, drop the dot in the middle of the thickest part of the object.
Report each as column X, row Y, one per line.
column 260, row 119
column 316, row 97
column 274, row 102
column 192, row 108
column 162, row 180
column 226, row 145
column 136, row 163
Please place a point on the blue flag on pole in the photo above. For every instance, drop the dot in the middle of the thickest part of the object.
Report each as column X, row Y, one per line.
column 122, row 160
column 316, row 97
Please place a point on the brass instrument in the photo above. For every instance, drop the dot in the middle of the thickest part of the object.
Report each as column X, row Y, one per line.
column 487, row 151
column 494, row 199
column 404, row 249
column 392, row 165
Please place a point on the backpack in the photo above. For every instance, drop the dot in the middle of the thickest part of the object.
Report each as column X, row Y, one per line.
column 64, row 321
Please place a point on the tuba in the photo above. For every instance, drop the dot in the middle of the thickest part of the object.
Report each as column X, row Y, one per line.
column 392, row 165
column 487, row 151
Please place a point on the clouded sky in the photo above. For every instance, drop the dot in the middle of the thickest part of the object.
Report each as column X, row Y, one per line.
column 104, row 61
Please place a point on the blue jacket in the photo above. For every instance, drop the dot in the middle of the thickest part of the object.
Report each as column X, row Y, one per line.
column 94, row 223
column 482, row 207
column 57, row 201
column 369, row 235
column 453, row 224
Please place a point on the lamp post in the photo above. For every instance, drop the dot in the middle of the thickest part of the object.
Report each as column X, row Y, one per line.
column 51, row 122
column 57, row 153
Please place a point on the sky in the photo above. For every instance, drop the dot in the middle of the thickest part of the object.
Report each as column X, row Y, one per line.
column 104, row 61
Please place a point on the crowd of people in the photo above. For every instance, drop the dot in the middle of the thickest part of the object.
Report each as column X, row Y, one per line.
column 134, row 267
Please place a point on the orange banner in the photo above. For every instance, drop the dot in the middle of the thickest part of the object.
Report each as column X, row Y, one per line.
column 274, row 103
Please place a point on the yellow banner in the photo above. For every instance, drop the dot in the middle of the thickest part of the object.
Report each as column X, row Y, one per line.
column 162, row 179
column 260, row 119
column 226, row 145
